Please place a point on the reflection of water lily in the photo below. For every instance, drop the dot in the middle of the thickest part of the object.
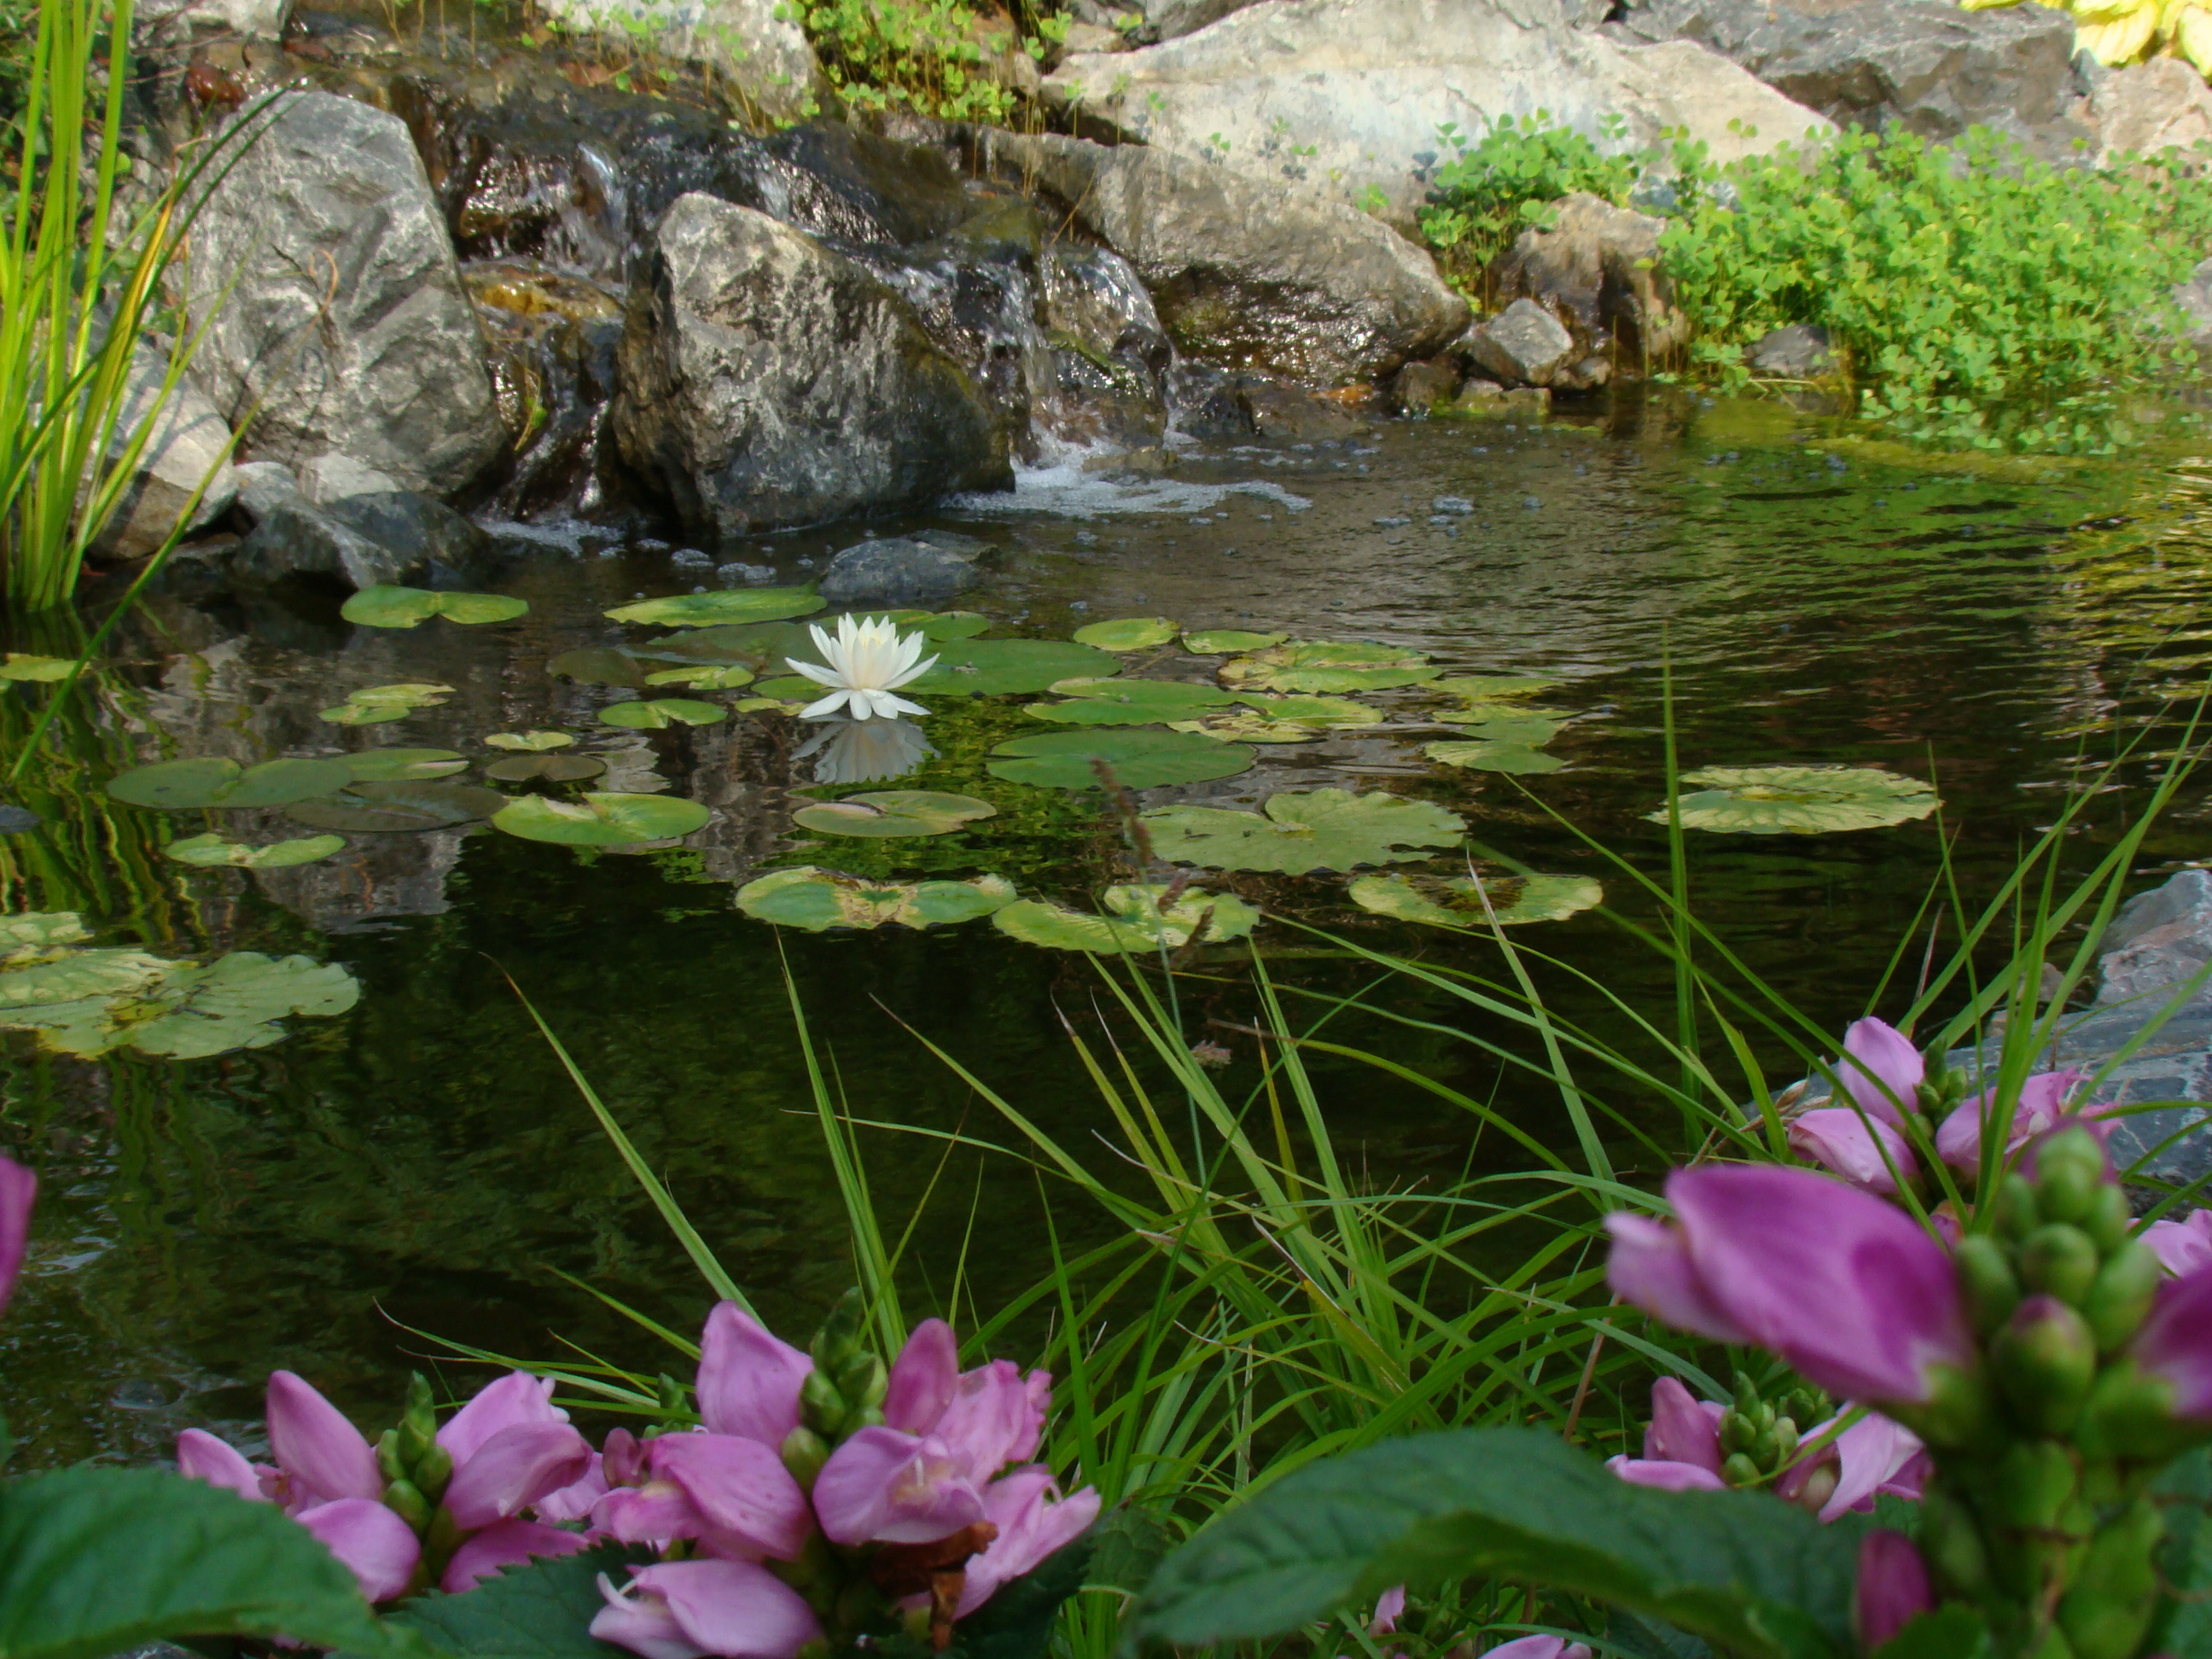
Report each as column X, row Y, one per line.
column 858, row 751
column 867, row 661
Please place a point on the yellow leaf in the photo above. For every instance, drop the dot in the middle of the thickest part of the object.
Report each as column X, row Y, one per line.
column 2192, row 33
column 2116, row 34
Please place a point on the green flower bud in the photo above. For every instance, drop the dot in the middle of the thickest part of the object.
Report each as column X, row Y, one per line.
column 1785, row 1442
column 2070, row 1168
column 821, row 1407
column 1958, row 1414
column 804, row 1452
column 2058, row 1260
column 1951, row 1543
column 2109, row 1222
column 2120, row 1299
column 2032, row 1485
column 418, row 1424
column 2046, row 1360
column 1985, row 1275
column 2132, row 1415
column 2115, row 1588
column 863, row 1377
column 434, row 1473
column 838, row 1343
column 388, row 1463
column 671, row 1398
column 867, row 1417
column 2015, row 1207
column 1739, row 1470
column 1746, row 1395
column 406, row 1501
column 1738, row 1432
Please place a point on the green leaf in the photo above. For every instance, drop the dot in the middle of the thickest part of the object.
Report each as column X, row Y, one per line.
column 31, row 983
column 1129, row 702
column 553, row 768
column 94, row 1561
column 234, row 1002
column 1140, row 759
column 738, row 604
column 996, row 668
column 1220, row 641
column 598, row 664
column 1955, row 1631
column 541, row 1611
column 1128, row 1544
column 705, row 676
column 1126, row 633
column 1133, row 921
column 600, row 820
column 1799, row 800
column 376, row 705
column 1501, row 723
column 1481, row 688
column 814, row 900
column 1754, row 1575
column 1513, row 758
column 530, row 742
column 388, row 606
column 394, row 765
column 1318, row 829
column 398, row 805
column 212, row 851
column 1320, row 665
column 39, row 930
column 1454, row 902
column 652, row 714
column 889, row 813
column 954, row 625
column 211, row 780
column 2183, row 1625
column 24, row 666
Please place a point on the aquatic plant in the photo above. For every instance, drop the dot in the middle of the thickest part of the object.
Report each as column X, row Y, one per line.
column 893, row 812
column 1296, row 832
column 1139, row 758
column 864, row 666
column 1127, row 633
column 608, row 819
column 1799, row 800
column 817, row 900
column 389, row 606
column 1137, row 917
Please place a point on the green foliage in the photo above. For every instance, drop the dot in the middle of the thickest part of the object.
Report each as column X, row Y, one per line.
column 1505, row 182
column 542, row 1611
column 935, row 56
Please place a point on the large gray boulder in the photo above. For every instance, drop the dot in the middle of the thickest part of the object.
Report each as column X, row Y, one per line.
column 1923, row 64
column 1241, row 272
column 335, row 313
column 757, row 45
column 1340, row 96
column 898, row 570
column 185, row 452
column 768, row 380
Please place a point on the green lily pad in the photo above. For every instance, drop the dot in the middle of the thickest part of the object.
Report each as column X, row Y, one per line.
column 51, row 979
column 212, row 851
column 398, row 805
column 600, row 820
column 1317, row 829
column 1128, row 702
column 758, row 646
column 1133, row 921
column 1243, row 725
column 376, row 705
column 776, row 705
column 955, row 625
column 187, row 1011
column 1321, row 666
column 387, row 606
column 29, row 932
column 654, row 714
column 1481, row 688
column 1220, row 641
column 181, row 785
column 894, row 813
column 996, row 668
column 1310, row 710
column 707, row 676
column 1140, row 759
column 1494, row 722
column 389, row 765
column 551, row 768
column 1454, row 902
column 26, row 665
column 530, row 742
column 598, row 665
column 736, row 604
column 1126, row 633
column 1800, row 801
column 794, row 688
column 819, row 899
column 1514, row 757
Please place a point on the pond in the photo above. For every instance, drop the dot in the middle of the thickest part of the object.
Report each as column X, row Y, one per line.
column 421, row 1166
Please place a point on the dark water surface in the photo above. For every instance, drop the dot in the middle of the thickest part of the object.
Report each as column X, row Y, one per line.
column 423, row 1161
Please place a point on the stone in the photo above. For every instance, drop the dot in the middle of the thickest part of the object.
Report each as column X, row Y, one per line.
column 1594, row 269
column 1481, row 396
column 186, row 450
column 1932, row 67
column 1337, row 98
column 295, row 540
column 768, row 380
column 1421, row 387
column 1292, row 412
column 1241, row 272
column 2145, row 108
column 1084, row 37
column 1799, row 352
column 757, row 45
column 264, row 486
column 336, row 477
column 1111, row 353
column 2158, row 939
column 166, row 22
column 2193, row 299
column 334, row 313
column 897, row 570
column 1170, row 20
column 1523, row 346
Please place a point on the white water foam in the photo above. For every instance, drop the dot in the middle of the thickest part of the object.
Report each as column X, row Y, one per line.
column 1064, row 490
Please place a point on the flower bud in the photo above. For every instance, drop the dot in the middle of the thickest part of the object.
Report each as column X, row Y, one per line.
column 1958, row 1413
column 2070, row 1168
column 2132, row 1414
column 418, row 1424
column 434, row 1473
column 864, row 1381
column 406, row 1501
column 2032, row 1485
column 2121, row 1297
column 2015, row 1206
column 838, row 1343
column 2058, row 1260
column 671, row 1399
column 821, row 1406
column 1738, row 1470
column 2046, row 1360
column 2114, row 1593
column 1985, row 1276
column 2109, row 1223
column 804, row 1452
column 388, row 1461
column 1738, row 1432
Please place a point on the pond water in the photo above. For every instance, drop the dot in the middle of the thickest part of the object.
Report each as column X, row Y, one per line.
column 421, row 1166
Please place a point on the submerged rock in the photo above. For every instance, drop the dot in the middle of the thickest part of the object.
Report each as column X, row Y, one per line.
column 295, row 539
column 899, row 570
column 1522, row 345
column 185, row 451
column 353, row 527
column 334, row 311
column 1799, row 352
column 769, row 380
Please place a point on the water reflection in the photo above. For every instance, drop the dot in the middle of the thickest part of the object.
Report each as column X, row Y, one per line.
column 863, row 751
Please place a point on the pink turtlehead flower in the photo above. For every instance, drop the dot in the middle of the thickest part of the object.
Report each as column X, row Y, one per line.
column 379, row 1548
column 2175, row 1343
column 748, row 1380
column 575, row 1501
column 1866, row 1151
column 323, row 1456
column 732, row 1493
column 1881, row 1070
column 1540, row 1647
column 2040, row 1111
column 513, row 1469
column 507, row 1544
column 1033, row 1521
column 19, row 1189
column 885, row 1487
column 1893, row 1588
column 1681, row 1446
column 1389, row 1608
column 200, row 1456
column 689, row 1609
column 1847, row 1288
column 2182, row 1246
column 1872, row 1456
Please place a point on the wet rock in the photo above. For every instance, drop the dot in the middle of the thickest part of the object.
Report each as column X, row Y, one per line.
column 1594, row 270
column 1485, row 397
column 352, row 526
column 1292, row 412
column 264, row 486
column 1799, row 352
column 185, row 452
column 757, row 46
column 294, row 539
column 2147, row 108
column 1420, row 386
column 1240, row 273
column 1523, row 346
column 1344, row 96
column 897, row 570
column 1111, row 354
column 769, row 380
column 1206, row 403
column 166, row 21
column 1922, row 64
column 334, row 309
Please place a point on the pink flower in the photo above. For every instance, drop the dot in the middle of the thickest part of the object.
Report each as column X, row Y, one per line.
column 732, row 1493
column 200, row 1456
column 18, row 1189
column 513, row 1399
column 1033, row 1521
column 1881, row 1070
column 1540, row 1647
column 574, row 1501
column 2040, row 1110
column 1846, row 1287
column 883, row 1486
column 1389, row 1608
column 922, row 1379
column 507, row 1544
column 687, row 1609
column 1893, row 1588
column 991, row 1416
column 1681, row 1447
column 377, row 1545
column 2175, row 1343
column 748, row 1380
column 507, row 1472
column 1865, row 1151
column 323, row 1456
column 1872, row 1456
column 1666, row 1476
column 2184, row 1245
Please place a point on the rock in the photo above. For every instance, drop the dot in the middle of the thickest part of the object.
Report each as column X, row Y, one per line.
column 2158, row 939
column 337, row 478
column 1523, row 346
column 295, row 540
column 1340, row 96
column 185, row 449
column 264, row 486
column 897, row 570
column 2145, row 108
column 334, row 309
column 1928, row 66
column 770, row 382
column 1594, row 268
column 1170, row 20
column 1292, row 412
column 760, row 49
column 1420, row 386
column 177, row 20
column 1240, row 272
column 1799, row 352
column 1480, row 397
column 1092, row 38
column 2193, row 299
column 1111, row 351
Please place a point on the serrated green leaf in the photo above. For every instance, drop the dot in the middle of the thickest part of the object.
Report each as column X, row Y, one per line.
column 738, row 605
column 541, row 1611
column 1126, row 633
column 1955, row 1631
column 1299, row 832
column 1017, row 1622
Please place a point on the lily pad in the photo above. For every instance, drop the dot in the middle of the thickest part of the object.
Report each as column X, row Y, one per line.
column 1138, row 759
column 1299, row 831
column 1243, row 725
column 187, row 1010
column 955, row 625
column 758, row 646
column 736, row 604
column 398, row 805
column 894, row 813
column 550, row 768
column 1500, row 723
column 1321, row 666
column 1310, row 710
column 26, row 665
column 819, row 899
column 387, row 606
column 212, row 851
column 1481, row 688
column 1126, row 633
column 1454, row 902
column 1800, row 801
column 180, row 785
column 600, row 820
column 1220, row 641
column 792, row 688
column 1129, row 702
column 389, row 765
column 1513, row 758
column 530, row 742
column 29, row 932
column 707, row 676
column 994, row 667
column 654, row 714
column 1134, row 920
column 598, row 665
column 376, row 705
column 49, row 979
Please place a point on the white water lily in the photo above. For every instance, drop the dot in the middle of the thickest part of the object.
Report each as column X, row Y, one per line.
column 867, row 661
